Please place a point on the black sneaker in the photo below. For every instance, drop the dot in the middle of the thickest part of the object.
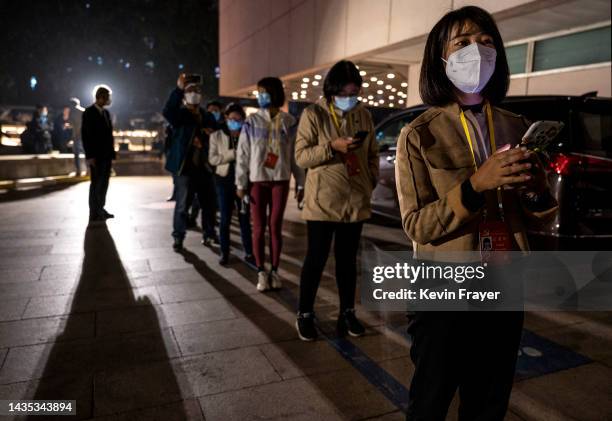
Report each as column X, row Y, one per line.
column 224, row 260
column 250, row 260
column 305, row 327
column 348, row 323
column 178, row 244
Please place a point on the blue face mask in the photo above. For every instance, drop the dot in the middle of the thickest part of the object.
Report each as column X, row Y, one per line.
column 234, row 125
column 217, row 115
column 345, row 103
column 264, row 100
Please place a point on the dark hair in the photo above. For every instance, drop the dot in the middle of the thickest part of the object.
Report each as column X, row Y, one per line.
column 215, row 103
column 434, row 86
column 273, row 86
column 341, row 74
column 102, row 91
column 235, row 108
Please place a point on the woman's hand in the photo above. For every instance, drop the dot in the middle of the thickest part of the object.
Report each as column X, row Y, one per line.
column 240, row 193
column 502, row 168
column 538, row 183
column 180, row 83
column 344, row 144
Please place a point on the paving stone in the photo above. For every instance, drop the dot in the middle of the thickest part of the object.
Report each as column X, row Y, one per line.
column 99, row 300
column 3, row 354
column 581, row 393
column 34, row 331
column 37, row 288
column 187, row 410
column 66, row 387
column 12, row 309
column 141, row 318
column 218, row 335
column 296, row 399
column 8, row 276
column 187, row 292
column 296, row 358
column 124, row 390
column 166, row 277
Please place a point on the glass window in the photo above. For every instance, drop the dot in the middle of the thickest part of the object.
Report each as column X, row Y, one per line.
column 517, row 58
column 572, row 50
column 387, row 135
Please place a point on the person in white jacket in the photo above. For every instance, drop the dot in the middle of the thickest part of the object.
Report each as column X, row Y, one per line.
column 264, row 163
column 222, row 155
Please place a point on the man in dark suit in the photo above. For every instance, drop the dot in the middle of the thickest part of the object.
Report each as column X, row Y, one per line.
column 99, row 145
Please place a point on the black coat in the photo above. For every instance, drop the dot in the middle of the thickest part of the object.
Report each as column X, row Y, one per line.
column 97, row 134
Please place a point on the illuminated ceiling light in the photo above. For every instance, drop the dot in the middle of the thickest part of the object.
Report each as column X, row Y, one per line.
column 376, row 104
column 305, row 80
column 390, row 76
column 382, row 101
column 365, row 84
column 391, row 97
column 318, row 77
column 389, row 87
column 401, row 101
column 391, row 105
column 362, row 72
column 294, row 93
column 379, row 92
column 373, row 79
column 404, row 84
column 304, row 85
column 394, row 90
column 380, row 82
column 255, row 93
column 370, row 96
column 315, row 83
column 359, row 98
column 303, row 96
column 303, row 92
column 371, row 102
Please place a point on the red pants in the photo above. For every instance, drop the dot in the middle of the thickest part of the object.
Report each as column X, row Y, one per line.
column 264, row 195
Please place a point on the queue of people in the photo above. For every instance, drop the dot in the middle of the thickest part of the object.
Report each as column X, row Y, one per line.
column 458, row 172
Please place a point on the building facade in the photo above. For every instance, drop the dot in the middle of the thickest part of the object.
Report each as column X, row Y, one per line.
column 553, row 46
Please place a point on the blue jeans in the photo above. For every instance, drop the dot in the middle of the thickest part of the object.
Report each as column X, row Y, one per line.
column 226, row 195
column 203, row 188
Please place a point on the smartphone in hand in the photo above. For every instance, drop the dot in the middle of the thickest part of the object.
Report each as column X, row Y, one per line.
column 360, row 137
column 540, row 134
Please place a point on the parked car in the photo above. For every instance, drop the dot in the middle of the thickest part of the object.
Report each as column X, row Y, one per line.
column 579, row 168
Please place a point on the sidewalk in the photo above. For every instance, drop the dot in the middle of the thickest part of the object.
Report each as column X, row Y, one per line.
column 112, row 317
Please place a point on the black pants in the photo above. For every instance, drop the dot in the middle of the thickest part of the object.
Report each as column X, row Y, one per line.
column 473, row 351
column 100, row 174
column 346, row 244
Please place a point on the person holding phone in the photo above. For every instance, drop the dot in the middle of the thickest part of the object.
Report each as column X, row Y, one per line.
column 264, row 165
column 462, row 186
column 335, row 142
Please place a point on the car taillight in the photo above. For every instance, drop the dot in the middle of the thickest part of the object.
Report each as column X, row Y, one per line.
column 562, row 164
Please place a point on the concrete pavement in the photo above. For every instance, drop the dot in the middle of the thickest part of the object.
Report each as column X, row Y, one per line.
column 112, row 317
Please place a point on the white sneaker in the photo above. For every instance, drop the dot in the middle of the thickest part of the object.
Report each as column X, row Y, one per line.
column 262, row 281
column 275, row 281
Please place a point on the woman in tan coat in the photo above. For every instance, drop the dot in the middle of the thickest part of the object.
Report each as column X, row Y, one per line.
column 457, row 172
column 335, row 142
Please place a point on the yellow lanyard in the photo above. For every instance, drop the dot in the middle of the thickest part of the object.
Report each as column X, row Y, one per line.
column 491, row 128
column 274, row 134
column 491, row 132
column 335, row 118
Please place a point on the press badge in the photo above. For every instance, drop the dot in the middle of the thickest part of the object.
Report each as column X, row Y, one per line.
column 493, row 236
column 271, row 160
column 352, row 164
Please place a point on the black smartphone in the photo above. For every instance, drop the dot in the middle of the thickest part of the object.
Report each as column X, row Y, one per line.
column 360, row 136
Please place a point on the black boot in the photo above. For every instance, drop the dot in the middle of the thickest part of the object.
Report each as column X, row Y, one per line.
column 178, row 244
column 348, row 323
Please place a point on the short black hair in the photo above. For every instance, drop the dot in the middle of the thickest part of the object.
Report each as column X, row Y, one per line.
column 340, row 75
column 273, row 86
column 102, row 91
column 434, row 86
column 215, row 103
column 234, row 107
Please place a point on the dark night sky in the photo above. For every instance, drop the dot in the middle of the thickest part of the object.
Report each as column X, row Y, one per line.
column 134, row 46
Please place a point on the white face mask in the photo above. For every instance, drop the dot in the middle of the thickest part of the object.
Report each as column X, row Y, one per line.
column 471, row 67
column 193, row 98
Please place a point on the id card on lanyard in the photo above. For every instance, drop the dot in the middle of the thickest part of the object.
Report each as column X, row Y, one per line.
column 273, row 149
column 351, row 161
column 493, row 235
